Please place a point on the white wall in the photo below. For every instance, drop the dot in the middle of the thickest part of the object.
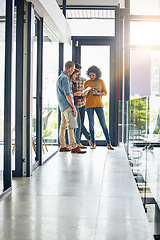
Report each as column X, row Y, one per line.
column 53, row 17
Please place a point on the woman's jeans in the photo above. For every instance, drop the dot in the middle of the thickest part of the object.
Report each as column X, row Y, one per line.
column 83, row 128
column 77, row 131
column 100, row 113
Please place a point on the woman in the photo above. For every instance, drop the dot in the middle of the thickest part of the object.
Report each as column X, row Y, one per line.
column 77, row 95
column 94, row 103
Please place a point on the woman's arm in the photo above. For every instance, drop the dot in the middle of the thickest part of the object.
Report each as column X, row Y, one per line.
column 95, row 92
column 87, row 92
column 104, row 90
column 77, row 94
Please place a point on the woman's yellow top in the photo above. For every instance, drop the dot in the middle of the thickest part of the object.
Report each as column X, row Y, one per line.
column 91, row 100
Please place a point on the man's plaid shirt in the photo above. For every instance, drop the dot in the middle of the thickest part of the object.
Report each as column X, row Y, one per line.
column 80, row 87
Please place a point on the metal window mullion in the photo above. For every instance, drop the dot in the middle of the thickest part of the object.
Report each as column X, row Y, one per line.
column 39, row 91
column 7, row 93
column 19, row 89
column 27, row 90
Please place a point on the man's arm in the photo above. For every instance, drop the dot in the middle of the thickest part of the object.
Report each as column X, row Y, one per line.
column 69, row 99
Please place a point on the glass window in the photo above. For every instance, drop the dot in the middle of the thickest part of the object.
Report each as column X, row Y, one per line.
column 2, row 64
column 145, row 33
column 144, row 73
column 34, row 91
column 145, row 7
column 49, row 109
column 93, row 27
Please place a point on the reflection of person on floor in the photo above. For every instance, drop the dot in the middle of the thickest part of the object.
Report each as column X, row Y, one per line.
column 156, row 131
column 149, row 147
column 157, row 127
column 66, row 105
column 94, row 103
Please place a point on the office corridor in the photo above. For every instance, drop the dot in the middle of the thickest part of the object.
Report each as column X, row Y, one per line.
column 76, row 197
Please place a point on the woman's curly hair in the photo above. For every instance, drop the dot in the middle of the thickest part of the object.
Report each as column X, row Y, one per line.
column 96, row 70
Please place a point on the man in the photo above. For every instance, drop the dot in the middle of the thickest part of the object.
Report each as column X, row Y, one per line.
column 66, row 105
column 81, row 105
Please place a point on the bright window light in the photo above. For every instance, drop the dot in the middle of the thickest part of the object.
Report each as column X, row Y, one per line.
column 145, row 33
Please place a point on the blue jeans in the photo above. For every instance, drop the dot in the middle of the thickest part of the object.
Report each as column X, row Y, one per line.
column 83, row 128
column 77, row 131
column 100, row 113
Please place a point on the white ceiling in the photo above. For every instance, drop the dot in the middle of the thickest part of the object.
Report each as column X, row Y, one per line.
column 93, row 2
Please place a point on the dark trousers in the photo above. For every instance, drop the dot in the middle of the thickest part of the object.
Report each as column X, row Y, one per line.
column 83, row 128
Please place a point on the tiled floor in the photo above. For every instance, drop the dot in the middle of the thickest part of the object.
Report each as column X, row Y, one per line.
column 76, row 197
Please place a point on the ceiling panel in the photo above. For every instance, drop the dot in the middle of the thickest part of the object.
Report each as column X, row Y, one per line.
column 90, row 14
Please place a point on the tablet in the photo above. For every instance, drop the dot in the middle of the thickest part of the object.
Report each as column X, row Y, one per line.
column 85, row 90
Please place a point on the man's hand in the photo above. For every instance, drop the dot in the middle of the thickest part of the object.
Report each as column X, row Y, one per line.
column 74, row 113
column 69, row 99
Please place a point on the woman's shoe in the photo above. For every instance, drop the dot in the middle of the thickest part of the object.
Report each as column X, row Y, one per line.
column 93, row 146
column 110, row 147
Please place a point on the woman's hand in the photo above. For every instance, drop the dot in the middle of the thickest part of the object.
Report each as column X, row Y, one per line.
column 78, row 94
column 96, row 93
column 85, row 91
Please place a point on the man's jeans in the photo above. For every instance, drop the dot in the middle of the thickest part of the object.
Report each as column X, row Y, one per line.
column 100, row 113
column 83, row 128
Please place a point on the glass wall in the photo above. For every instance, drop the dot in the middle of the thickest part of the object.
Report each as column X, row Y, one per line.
column 144, row 152
column 144, row 140
column 143, row 147
column 144, row 73
column 49, row 105
column 34, row 91
column 2, row 64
